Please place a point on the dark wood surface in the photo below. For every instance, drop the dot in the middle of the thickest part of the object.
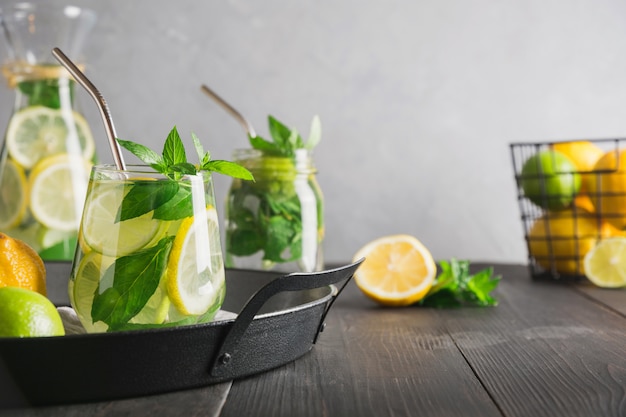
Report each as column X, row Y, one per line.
column 548, row 349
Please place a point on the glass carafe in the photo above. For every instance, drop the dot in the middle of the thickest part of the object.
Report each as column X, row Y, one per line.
column 48, row 148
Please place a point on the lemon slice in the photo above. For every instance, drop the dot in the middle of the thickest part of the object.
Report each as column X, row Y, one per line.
column 605, row 264
column 195, row 272
column 58, row 185
column 398, row 270
column 84, row 284
column 102, row 233
column 38, row 131
column 13, row 195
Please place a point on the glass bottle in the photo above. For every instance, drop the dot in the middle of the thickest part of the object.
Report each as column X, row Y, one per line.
column 43, row 179
column 277, row 221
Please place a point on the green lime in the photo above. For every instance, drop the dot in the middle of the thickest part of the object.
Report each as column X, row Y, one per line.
column 550, row 180
column 26, row 313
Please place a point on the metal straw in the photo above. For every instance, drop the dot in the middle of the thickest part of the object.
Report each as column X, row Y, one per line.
column 100, row 101
column 230, row 109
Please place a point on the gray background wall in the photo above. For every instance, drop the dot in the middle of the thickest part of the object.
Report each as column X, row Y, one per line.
column 418, row 99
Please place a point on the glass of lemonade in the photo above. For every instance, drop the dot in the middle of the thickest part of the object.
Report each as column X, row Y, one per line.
column 149, row 252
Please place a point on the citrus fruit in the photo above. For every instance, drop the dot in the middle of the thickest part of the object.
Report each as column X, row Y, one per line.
column 83, row 286
column 13, row 195
column 26, row 313
column 195, row 273
column 398, row 270
column 607, row 188
column 58, row 185
column 102, row 232
column 21, row 266
column 560, row 240
column 36, row 132
column 605, row 264
column 550, row 180
column 584, row 154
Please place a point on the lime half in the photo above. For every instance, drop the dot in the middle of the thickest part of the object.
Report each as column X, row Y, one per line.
column 195, row 272
column 13, row 197
column 38, row 131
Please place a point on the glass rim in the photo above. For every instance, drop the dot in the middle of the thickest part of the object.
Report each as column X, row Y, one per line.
column 142, row 169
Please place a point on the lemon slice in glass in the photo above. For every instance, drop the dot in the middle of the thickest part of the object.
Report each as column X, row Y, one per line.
column 605, row 264
column 58, row 185
column 37, row 132
column 13, row 196
column 84, row 285
column 195, row 272
column 100, row 230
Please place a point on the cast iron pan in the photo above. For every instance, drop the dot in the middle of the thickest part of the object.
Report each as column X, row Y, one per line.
column 279, row 319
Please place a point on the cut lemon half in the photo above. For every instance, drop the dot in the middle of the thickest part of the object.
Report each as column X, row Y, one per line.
column 13, row 195
column 58, row 185
column 84, row 284
column 398, row 270
column 103, row 233
column 605, row 264
column 195, row 271
column 37, row 132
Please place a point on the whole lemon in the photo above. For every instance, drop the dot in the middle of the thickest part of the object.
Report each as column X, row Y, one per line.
column 21, row 266
column 607, row 188
column 550, row 180
column 26, row 313
column 560, row 240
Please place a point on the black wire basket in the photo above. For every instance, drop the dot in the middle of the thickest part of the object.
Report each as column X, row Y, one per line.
column 564, row 218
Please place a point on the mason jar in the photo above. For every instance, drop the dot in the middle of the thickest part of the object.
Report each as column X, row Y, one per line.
column 275, row 222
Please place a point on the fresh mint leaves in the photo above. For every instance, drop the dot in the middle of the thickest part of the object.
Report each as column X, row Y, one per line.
column 173, row 162
column 455, row 286
column 286, row 141
column 130, row 282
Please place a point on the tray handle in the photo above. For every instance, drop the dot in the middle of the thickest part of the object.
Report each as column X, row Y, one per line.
column 296, row 281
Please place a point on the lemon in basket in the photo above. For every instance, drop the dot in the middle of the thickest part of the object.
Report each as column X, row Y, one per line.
column 560, row 240
column 550, row 180
column 607, row 188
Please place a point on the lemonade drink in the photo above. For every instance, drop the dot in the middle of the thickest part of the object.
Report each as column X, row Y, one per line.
column 148, row 252
column 48, row 147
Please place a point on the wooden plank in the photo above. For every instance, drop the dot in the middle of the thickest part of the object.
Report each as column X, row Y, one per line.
column 369, row 361
column 546, row 350
column 614, row 298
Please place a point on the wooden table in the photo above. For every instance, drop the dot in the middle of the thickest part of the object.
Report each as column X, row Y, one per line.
column 549, row 349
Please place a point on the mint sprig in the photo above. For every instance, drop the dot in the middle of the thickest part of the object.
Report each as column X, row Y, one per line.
column 173, row 161
column 286, row 141
column 456, row 287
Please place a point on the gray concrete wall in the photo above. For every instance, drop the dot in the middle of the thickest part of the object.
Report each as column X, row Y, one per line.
column 418, row 99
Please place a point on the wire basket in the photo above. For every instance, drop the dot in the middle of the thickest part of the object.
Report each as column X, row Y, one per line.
column 564, row 217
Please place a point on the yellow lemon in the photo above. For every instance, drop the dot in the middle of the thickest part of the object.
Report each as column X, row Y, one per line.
column 398, row 270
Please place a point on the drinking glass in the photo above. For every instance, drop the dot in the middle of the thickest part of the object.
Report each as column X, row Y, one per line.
column 149, row 252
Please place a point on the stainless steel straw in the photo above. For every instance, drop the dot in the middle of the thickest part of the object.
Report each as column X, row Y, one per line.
column 230, row 109
column 100, row 101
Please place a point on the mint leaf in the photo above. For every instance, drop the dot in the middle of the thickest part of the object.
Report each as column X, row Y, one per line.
column 142, row 152
column 137, row 277
column 173, row 149
column 145, row 196
column 279, row 132
column 456, row 287
column 203, row 157
column 315, row 134
column 228, row 168
column 177, row 207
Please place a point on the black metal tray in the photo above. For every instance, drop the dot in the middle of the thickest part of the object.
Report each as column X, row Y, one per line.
column 279, row 319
